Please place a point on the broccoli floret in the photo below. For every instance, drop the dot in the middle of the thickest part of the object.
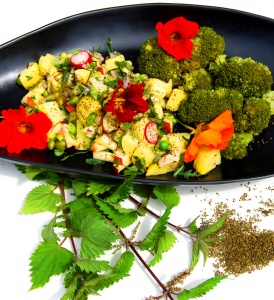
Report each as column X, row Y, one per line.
column 157, row 63
column 208, row 45
column 196, row 79
column 251, row 78
column 238, row 146
column 254, row 116
column 203, row 106
column 269, row 97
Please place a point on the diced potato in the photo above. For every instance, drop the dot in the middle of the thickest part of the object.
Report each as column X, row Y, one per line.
column 129, row 144
column 81, row 138
column 103, row 155
column 175, row 99
column 30, row 76
column 169, row 88
column 46, row 62
column 55, row 79
column 98, row 85
column 36, row 93
column 206, row 160
column 110, row 62
column 169, row 158
column 85, row 106
column 159, row 110
column 138, row 129
column 107, row 142
column 97, row 147
column 154, row 168
column 144, row 151
column 82, row 75
column 121, row 160
column 177, row 143
column 157, row 87
column 52, row 110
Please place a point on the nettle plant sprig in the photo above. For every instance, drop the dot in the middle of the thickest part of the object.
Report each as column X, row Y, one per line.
column 95, row 221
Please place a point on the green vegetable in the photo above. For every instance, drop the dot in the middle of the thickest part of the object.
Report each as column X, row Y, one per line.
column 197, row 79
column 208, row 45
column 254, row 116
column 205, row 105
column 238, row 146
column 163, row 145
column 157, row 63
column 249, row 77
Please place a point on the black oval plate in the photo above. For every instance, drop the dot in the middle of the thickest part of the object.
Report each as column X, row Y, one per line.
column 246, row 35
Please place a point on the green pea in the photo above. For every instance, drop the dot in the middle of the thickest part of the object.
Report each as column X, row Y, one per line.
column 163, row 145
column 143, row 77
column 51, row 145
column 60, row 145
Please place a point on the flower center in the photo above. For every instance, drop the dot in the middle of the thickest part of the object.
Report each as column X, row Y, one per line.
column 24, row 127
column 119, row 103
column 175, row 36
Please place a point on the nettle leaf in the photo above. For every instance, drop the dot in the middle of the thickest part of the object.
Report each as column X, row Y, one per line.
column 71, row 282
column 204, row 248
column 121, row 217
column 165, row 243
column 93, row 266
column 212, row 228
column 79, row 187
column 97, row 237
column 99, row 283
column 48, row 234
column 96, row 187
column 40, row 199
column 80, row 208
column 143, row 191
column 193, row 226
column 124, row 264
column 32, row 171
column 156, row 232
column 47, row 260
column 195, row 254
column 168, row 194
column 201, row 289
column 122, row 192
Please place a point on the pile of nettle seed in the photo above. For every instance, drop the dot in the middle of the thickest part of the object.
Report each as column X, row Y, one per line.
column 243, row 247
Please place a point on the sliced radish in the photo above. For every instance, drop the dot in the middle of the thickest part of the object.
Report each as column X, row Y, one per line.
column 151, row 132
column 81, row 59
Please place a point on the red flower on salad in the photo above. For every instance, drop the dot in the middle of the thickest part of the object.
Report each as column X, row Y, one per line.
column 127, row 103
column 214, row 135
column 19, row 131
column 175, row 37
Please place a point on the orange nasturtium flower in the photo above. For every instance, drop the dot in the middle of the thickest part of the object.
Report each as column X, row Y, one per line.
column 214, row 135
column 175, row 37
column 19, row 131
column 127, row 103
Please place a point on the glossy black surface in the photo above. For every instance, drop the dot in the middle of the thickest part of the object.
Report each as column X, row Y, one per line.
column 246, row 35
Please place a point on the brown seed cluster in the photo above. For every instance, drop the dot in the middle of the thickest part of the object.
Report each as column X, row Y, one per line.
column 243, row 247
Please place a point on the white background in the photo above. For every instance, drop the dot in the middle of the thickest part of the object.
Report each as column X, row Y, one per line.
column 21, row 234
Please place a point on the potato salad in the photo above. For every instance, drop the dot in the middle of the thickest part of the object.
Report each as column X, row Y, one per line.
column 99, row 104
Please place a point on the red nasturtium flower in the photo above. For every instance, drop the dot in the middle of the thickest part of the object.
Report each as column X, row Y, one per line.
column 214, row 135
column 127, row 103
column 175, row 37
column 19, row 131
